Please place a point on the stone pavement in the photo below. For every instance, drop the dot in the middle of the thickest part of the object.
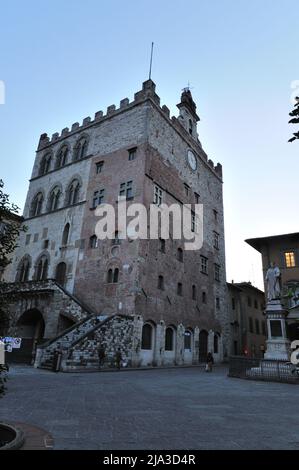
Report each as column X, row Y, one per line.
column 154, row 409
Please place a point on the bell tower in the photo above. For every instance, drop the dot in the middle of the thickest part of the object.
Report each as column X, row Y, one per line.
column 188, row 117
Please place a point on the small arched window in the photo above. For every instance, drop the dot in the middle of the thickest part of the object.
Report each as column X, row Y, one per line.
column 61, row 158
column 204, row 297
column 193, row 292
column 115, row 275
column 54, row 199
column 23, row 270
column 147, row 336
column 42, row 269
column 37, row 204
column 161, row 282
column 65, row 235
column 110, row 276
column 80, row 150
column 73, row 192
column 60, row 275
column 45, row 164
column 93, row 241
column 169, row 339
column 180, row 255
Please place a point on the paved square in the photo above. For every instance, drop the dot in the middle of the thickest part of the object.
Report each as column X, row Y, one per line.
column 154, row 409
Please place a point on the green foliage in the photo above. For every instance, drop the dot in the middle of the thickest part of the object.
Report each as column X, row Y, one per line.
column 9, row 231
column 3, row 379
column 295, row 119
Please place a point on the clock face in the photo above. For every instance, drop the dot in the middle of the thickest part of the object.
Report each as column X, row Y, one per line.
column 192, row 160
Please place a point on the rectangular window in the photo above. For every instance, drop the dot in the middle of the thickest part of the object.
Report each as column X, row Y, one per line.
column 187, row 189
column 158, row 196
column 216, row 240
column 217, row 272
column 28, row 239
column 257, row 326
column 180, row 289
column 132, row 154
column 193, row 222
column 250, row 325
column 290, row 259
column 217, row 303
column 196, row 196
column 99, row 167
column 126, row 190
column 98, row 198
column 204, row 264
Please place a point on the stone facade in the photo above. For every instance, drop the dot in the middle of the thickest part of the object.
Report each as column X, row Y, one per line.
column 247, row 319
column 174, row 327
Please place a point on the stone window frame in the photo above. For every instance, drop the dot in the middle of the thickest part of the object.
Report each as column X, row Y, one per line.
column 23, row 269
column 99, row 167
column 217, row 272
column 126, row 190
column 54, row 197
column 72, row 193
column 41, row 266
column 45, row 163
column 204, row 265
column 98, row 198
column 132, row 154
column 61, row 156
column 80, row 149
column 37, row 202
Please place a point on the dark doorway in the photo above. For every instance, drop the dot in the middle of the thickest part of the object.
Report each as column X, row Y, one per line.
column 203, row 345
column 293, row 331
column 31, row 328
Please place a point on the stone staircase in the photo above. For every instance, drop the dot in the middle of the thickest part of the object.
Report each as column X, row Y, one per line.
column 66, row 341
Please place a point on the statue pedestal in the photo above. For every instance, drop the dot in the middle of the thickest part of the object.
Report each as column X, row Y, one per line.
column 278, row 345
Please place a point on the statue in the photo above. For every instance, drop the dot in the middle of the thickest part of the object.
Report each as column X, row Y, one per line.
column 273, row 282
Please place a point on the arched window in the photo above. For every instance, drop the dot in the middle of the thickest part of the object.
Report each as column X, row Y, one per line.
column 115, row 275
column 61, row 157
column 45, row 164
column 147, row 336
column 161, row 282
column 180, row 255
column 65, row 235
column 216, row 343
column 23, row 269
column 54, row 199
column 80, row 150
column 190, row 127
column 37, row 204
column 188, row 340
column 204, row 297
column 193, row 292
column 110, row 276
column 60, row 275
column 73, row 193
column 180, row 289
column 169, row 339
column 42, row 269
column 93, row 241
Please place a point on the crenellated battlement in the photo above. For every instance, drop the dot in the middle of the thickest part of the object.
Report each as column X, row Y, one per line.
column 148, row 91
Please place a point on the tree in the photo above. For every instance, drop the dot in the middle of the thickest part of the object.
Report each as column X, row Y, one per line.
column 295, row 119
column 9, row 231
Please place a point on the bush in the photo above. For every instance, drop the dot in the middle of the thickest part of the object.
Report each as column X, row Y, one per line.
column 3, row 378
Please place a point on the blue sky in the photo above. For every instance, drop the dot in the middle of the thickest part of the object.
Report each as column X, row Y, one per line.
column 63, row 60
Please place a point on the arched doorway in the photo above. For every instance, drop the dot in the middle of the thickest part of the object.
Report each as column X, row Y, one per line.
column 170, row 345
column 31, row 328
column 203, row 345
column 147, row 344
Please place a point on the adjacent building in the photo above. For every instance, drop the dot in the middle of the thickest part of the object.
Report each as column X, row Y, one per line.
column 283, row 250
column 247, row 319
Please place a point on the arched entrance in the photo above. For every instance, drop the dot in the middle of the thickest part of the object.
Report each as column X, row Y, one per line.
column 147, row 344
column 203, row 345
column 31, row 328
